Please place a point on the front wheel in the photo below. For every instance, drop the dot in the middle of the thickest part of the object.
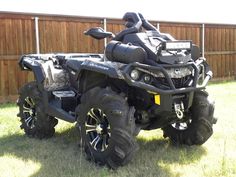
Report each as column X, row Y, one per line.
column 106, row 123
column 198, row 129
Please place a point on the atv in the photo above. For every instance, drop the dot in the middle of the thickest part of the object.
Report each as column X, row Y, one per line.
column 144, row 80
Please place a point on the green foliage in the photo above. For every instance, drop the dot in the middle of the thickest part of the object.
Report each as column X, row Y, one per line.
column 61, row 156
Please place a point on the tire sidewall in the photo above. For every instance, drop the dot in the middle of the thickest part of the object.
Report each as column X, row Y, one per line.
column 44, row 124
column 28, row 91
column 200, row 128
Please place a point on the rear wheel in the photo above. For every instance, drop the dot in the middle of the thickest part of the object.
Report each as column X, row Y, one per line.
column 106, row 123
column 198, row 128
column 34, row 120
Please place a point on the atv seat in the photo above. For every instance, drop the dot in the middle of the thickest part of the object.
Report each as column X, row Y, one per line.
column 98, row 33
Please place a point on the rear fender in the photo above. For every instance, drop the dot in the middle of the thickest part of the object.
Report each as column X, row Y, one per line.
column 29, row 63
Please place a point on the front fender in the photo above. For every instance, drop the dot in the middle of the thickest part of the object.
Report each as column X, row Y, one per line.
column 107, row 68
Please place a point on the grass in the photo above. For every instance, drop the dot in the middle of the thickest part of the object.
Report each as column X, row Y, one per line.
column 60, row 156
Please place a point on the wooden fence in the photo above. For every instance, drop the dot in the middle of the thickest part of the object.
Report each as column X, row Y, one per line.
column 65, row 34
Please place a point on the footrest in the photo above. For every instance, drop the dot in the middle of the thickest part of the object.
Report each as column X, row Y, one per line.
column 64, row 94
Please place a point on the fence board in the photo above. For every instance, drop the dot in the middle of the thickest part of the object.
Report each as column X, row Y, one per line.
column 183, row 32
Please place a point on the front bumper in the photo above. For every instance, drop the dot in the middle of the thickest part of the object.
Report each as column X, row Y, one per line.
column 162, row 68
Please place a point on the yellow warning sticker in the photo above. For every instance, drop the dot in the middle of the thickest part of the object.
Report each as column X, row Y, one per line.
column 157, row 99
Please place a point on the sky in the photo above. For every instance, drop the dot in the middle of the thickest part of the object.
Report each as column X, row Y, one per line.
column 199, row 11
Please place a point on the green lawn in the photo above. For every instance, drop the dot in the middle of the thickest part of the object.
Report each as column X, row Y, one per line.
column 60, row 156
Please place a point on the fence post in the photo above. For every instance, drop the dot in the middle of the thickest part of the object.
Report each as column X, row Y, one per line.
column 36, row 20
column 105, row 29
column 158, row 26
column 203, row 40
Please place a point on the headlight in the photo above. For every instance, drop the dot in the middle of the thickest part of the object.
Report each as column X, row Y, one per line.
column 178, row 45
column 134, row 74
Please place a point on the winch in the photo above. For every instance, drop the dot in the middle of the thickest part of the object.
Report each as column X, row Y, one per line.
column 179, row 110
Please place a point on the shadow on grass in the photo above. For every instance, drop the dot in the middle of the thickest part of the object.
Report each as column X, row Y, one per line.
column 61, row 156
column 168, row 152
